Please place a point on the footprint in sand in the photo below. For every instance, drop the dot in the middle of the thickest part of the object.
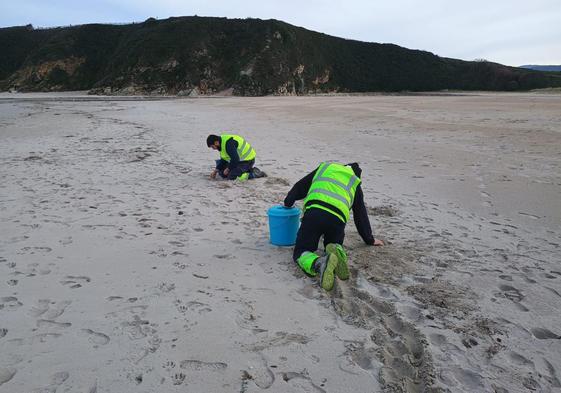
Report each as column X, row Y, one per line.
column 41, row 307
column 45, row 337
column 3, row 332
column 514, row 295
column 178, row 378
column 198, row 365
column 138, row 328
column 357, row 355
column 48, row 309
column 10, row 303
column 469, row 342
column 66, row 241
column 56, row 380
column 301, row 382
column 96, row 338
column 176, row 243
column 553, row 291
column 50, row 324
column 6, row 374
column 246, row 318
column 166, row 287
column 277, row 181
column 33, row 250
column 260, row 373
column 552, row 373
column 75, row 281
column 544, row 334
column 405, row 359
column 520, row 360
column 169, row 365
column 198, row 307
column 467, row 378
column 179, row 265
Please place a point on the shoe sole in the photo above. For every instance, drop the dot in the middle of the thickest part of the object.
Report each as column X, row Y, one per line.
column 258, row 173
column 342, row 270
column 327, row 275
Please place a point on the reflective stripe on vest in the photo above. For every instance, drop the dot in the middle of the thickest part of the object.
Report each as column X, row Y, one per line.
column 347, row 187
column 245, row 151
column 340, row 197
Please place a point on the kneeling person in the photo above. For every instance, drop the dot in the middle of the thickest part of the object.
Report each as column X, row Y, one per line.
column 237, row 157
column 330, row 192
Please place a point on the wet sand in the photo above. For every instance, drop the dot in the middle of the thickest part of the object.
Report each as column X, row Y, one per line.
column 125, row 269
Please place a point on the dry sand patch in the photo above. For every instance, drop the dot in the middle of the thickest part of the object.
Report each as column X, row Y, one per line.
column 126, row 269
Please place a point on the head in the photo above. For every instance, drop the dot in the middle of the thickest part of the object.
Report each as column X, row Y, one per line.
column 356, row 169
column 213, row 141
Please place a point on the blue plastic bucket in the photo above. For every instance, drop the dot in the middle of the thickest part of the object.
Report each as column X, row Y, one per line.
column 283, row 225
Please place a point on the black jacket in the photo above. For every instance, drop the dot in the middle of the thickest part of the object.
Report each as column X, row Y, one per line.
column 300, row 191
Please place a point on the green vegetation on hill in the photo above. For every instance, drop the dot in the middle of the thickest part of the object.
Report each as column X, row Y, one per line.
column 194, row 55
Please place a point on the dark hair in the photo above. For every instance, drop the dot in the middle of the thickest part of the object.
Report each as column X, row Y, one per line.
column 356, row 169
column 211, row 139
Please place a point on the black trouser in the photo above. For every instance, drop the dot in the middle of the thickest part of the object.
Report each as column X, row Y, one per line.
column 315, row 223
column 242, row 167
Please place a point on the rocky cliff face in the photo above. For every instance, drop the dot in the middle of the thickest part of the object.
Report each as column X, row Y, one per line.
column 48, row 75
column 200, row 56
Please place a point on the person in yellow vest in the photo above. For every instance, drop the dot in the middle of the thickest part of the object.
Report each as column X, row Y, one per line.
column 330, row 192
column 237, row 157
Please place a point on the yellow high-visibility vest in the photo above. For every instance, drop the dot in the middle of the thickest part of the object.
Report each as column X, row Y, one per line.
column 335, row 185
column 245, row 151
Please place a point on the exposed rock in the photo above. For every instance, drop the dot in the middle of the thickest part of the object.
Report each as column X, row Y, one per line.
column 321, row 79
column 40, row 73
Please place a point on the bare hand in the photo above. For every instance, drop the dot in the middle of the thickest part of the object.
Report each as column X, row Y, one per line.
column 213, row 174
column 226, row 171
column 378, row 242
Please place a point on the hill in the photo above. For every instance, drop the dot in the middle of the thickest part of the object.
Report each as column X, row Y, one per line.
column 195, row 55
column 555, row 68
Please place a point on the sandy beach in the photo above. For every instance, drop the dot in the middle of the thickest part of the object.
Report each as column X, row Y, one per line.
column 124, row 268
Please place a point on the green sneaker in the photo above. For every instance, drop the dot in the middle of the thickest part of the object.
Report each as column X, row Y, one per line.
column 326, row 266
column 243, row 176
column 342, row 270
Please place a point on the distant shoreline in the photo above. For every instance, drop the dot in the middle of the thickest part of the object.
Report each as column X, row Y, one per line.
column 83, row 96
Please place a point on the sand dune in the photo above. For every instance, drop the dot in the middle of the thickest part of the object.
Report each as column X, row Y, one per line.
column 125, row 269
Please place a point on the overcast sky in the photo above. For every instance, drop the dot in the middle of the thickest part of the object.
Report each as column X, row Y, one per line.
column 511, row 32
